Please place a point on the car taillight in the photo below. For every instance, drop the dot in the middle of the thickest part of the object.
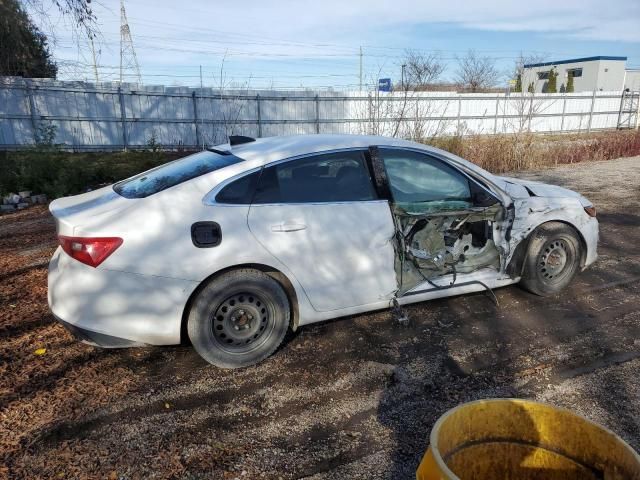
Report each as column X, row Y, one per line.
column 591, row 211
column 91, row 251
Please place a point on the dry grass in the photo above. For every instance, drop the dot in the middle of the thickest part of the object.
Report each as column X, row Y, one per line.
column 505, row 153
column 60, row 173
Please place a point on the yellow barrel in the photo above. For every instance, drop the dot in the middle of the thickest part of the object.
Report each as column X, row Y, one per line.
column 523, row 440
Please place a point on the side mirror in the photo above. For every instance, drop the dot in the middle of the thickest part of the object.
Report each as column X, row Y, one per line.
column 482, row 198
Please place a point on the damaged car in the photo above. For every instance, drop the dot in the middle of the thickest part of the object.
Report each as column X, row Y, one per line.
column 233, row 246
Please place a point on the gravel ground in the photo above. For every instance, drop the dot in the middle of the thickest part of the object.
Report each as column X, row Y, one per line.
column 354, row 398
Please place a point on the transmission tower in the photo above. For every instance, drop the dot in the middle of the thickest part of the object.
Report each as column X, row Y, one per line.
column 128, row 59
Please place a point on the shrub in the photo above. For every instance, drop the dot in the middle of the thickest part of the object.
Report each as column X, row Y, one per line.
column 153, row 144
column 570, row 83
column 518, row 87
column 44, row 137
column 552, row 83
column 58, row 173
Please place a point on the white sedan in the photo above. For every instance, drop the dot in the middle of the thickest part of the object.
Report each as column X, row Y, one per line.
column 234, row 245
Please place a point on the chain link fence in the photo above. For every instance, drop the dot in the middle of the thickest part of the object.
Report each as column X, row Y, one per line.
column 83, row 116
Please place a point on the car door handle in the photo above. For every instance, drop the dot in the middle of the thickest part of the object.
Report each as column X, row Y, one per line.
column 288, row 227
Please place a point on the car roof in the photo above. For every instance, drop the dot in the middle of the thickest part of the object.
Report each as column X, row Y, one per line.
column 272, row 149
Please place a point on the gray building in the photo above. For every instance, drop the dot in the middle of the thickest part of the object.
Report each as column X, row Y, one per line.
column 599, row 73
column 632, row 79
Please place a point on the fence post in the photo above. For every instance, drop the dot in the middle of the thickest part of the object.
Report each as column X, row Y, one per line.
column 564, row 109
column 459, row 113
column 32, row 109
column 418, row 121
column 495, row 119
column 123, row 119
column 317, row 114
column 195, row 118
column 370, row 104
column 593, row 101
column 259, row 115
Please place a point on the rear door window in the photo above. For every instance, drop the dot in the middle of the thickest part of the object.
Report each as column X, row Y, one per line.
column 173, row 173
column 326, row 178
column 240, row 191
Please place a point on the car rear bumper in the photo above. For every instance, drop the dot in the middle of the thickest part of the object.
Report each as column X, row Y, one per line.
column 98, row 339
column 116, row 309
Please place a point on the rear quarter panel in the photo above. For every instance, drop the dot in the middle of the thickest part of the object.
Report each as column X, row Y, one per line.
column 157, row 240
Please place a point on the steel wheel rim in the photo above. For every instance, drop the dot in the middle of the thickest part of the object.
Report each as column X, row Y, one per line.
column 554, row 261
column 242, row 322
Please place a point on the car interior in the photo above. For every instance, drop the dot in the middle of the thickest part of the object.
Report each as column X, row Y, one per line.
column 444, row 220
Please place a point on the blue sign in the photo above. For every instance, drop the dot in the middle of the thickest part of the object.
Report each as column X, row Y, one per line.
column 384, row 84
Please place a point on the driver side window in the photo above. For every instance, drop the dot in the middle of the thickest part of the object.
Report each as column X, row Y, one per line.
column 418, row 178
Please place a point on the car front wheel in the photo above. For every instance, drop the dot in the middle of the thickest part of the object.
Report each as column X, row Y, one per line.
column 238, row 318
column 553, row 258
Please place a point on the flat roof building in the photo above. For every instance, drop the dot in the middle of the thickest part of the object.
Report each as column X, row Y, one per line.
column 601, row 73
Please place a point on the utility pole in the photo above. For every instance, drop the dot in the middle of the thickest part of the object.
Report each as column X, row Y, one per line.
column 403, row 67
column 93, row 54
column 200, row 77
column 128, row 59
column 360, row 69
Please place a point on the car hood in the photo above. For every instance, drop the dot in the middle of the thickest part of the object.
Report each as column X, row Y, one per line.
column 518, row 188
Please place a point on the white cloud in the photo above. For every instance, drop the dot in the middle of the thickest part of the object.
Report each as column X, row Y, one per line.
column 314, row 19
column 190, row 33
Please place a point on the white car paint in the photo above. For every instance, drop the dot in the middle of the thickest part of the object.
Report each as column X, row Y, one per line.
column 337, row 256
column 330, row 248
column 539, row 189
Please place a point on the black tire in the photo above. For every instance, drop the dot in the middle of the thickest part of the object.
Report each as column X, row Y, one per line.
column 239, row 318
column 553, row 259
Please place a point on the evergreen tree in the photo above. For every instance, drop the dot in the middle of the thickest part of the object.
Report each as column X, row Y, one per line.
column 518, row 87
column 23, row 48
column 570, row 83
column 551, row 85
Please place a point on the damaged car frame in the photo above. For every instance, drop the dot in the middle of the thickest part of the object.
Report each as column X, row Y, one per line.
column 233, row 246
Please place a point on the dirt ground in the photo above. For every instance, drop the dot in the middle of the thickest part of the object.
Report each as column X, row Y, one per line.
column 353, row 398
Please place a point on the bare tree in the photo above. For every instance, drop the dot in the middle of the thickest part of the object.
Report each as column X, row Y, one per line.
column 233, row 101
column 476, row 73
column 402, row 113
column 519, row 71
column 78, row 11
column 422, row 70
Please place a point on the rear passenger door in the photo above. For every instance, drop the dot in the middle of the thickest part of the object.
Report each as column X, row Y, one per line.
column 320, row 216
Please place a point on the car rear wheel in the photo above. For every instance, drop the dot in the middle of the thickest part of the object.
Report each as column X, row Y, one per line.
column 553, row 258
column 239, row 318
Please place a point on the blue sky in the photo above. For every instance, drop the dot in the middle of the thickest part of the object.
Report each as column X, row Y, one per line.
column 287, row 44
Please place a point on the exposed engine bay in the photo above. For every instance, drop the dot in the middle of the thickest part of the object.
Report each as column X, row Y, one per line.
column 436, row 243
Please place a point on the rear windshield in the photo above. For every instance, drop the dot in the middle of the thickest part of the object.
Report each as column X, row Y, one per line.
column 172, row 173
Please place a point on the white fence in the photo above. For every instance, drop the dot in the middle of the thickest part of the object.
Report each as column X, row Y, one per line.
column 109, row 116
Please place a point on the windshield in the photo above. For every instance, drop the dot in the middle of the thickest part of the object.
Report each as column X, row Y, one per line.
column 172, row 173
